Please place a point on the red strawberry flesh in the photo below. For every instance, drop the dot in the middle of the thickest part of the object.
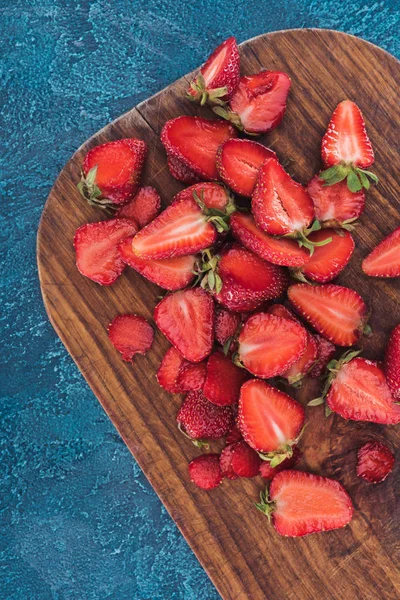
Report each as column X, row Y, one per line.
column 223, row 381
column 214, row 195
column 205, row 472
column 384, row 260
column 335, row 204
column 392, row 363
column 169, row 370
column 329, row 260
column 130, row 334
column 142, row 208
column 374, row 462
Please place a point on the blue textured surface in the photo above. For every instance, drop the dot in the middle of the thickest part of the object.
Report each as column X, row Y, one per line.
column 79, row 520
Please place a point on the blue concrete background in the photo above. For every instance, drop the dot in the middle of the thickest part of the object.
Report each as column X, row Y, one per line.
column 78, row 519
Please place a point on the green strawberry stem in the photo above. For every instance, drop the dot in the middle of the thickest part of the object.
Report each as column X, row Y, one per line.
column 204, row 96
column 91, row 192
column 302, row 237
column 219, row 218
column 286, row 451
column 202, row 444
column 356, row 178
column 266, row 506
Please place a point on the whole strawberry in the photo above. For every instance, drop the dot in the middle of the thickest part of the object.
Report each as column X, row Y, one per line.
column 201, row 419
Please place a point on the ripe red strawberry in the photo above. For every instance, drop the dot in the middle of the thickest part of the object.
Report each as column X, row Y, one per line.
column 325, row 353
column 392, row 363
column 301, row 503
column 279, row 310
column 279, row 251
column 186, row 318
column 384, row 260
column 225, row 462
column 329, row 260
column 192, row 376
column 335, row 205
column 233, row 436
column 169, row 273
column 268, row 472
column 346, row 149
column 142, row 208
column 226, row 325
column 194, row 141
column 218, row 77
column 130, row 334
column 180, row 171
column 111, row 172
column 270, row 420
column 200, row 419
column 223, row 381
column 259, row 102
column 212, row 195
column 238, row 163
column 96, row 248
column 169, row 370
column 245, row 461
column 338, row 313
column 205, row 472
column 296, row 373
column 374, row 462
column 269, row 345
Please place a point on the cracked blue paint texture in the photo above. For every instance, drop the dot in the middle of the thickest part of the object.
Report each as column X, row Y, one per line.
column 78, row 519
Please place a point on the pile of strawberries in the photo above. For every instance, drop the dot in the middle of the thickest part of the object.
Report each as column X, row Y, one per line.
column 229, row 249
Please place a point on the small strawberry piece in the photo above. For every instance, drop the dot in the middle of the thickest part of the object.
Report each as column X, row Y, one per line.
column 194, row 141
column 169, row 370
column 192, row 376
column 270, row 420
column 96, row 248
column 269, row 345
column 325, row 353
column 111, row 172
column 201, row 419
column 279, row 251
column 238, row 163
column 268, row 472
column 335, row 205
column 226, row 325
column 211, row 194
column 225, row 462
column 338, row 313
column 384, row 260
column 223, row 381
column 130, row 335
column 218, row 77
column 245, row 461
column 296, row 373
column 302, row 503
column 186, row 318
column 259, row 102
column 374, row 462
column 205, row 471
column 169, row 273
column 279, row 310
column 392, row 363
column 142, row 208
column 234, row 435
column 180, row 171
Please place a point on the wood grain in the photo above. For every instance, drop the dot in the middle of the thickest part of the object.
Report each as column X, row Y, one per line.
column 244, row 557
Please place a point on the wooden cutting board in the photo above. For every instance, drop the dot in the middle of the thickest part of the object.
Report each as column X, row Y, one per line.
column 243, row 555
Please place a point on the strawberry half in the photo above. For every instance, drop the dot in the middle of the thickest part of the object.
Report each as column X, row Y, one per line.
column 130, row 335
column 346, row 149
column 200, row 419
column 218, row 77
column 212, row 195
column 111, row 172
column 374, row 462
column 96, row 248
column 238, row 163
column 279, row 310
column 259, row 102
column 226, row 325
column 392, row 363
column 269, row 345
column 180, row 171
column 384, row 260
column 268, row 472
column 169, row 370
column 223, row 381
column 192, row 376
column 338, row 313
column 194, row 141
column 186, row 318
column 142, row 208
column 325, row 353
column 301, row 503
column 335, row 205
column 245, row 462
column 205, row 472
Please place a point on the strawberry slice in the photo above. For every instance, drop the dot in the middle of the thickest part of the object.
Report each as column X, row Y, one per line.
column 392, row 363
column 192, row 376
column 180, row 171
column 130, row 334
column 200, row 419
column 269, row 345
column 384, row 260
column 245, row 461
column 302, row 503
column 268, row 472
column 190, row 310
column 269, row 420
column 325, row 353
column 225, row 462
column 296, row 373
column 346, row 149
column 218, row 77
column 96, row 248
column 226, row 325
column 205, row 472
column 335, row 205
column 194, row 141
column 223, row 381
column 169, row 273
column 238, row 163
column 259, row 102
column 212, row 195
column 374, row 462
column 279, row 251
column 142, row 208
column 111, row 172
column 338, row 313
column 169, row 370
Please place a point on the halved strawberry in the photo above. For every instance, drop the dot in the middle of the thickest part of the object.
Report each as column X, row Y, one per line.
column 384, row 260
column 269, row 345
column 335, row 205
column 213, row 195
column 279, row 310
column 336, row 312
column 200, row 419
column 296, row 373
column 111, row 172
column 392, row 363
column 259, row 102
column 96, row 248
column 130, row 334
column 374, row 462
column 192, row 376
column 194, row 141
column 205, row 472
column 226, row 325
column 268, row 472
column 238, row 163
column 245, row 461
column 301, row 503
column 325, row 352
column 169, row 370
column 218, row 77
column 223, row 381
column 186, row 318
column 142, row 208
column 346, row 149
column 180, row 171
column 225, row 462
